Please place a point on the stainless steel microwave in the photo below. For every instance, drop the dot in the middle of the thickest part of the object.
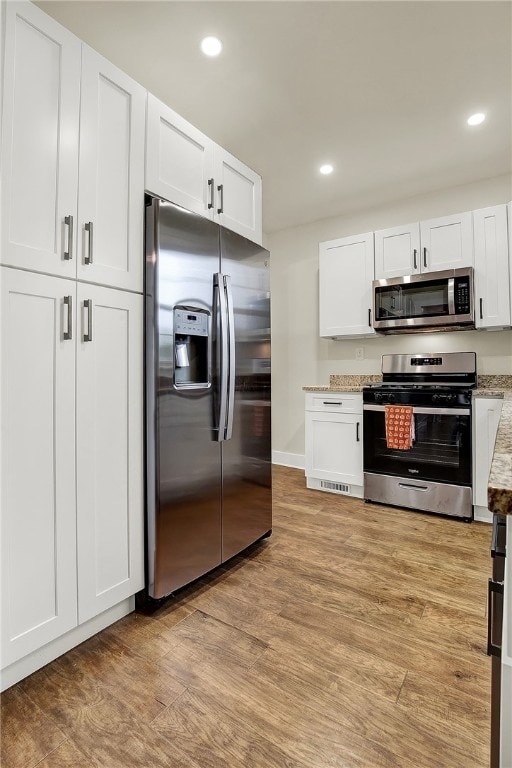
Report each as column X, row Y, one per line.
column 432, row 301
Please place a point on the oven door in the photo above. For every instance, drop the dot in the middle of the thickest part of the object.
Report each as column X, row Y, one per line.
column 441, row 451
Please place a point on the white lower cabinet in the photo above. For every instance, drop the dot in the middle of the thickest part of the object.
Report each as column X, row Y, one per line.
column 486, row 416
column 72, row 506
column 334, row 443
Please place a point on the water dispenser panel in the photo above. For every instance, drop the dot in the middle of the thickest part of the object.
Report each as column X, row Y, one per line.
column 190, row 323
column 191, row 348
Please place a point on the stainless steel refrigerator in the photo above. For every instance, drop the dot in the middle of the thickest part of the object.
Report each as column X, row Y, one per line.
column 208, row 450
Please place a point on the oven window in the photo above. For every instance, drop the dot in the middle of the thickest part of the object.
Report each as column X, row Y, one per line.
column 441, row 451
column 425, row 299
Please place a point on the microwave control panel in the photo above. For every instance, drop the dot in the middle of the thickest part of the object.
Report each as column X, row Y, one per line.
column 462, row 296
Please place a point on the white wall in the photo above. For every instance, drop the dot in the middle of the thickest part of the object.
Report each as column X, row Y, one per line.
column 300, row 357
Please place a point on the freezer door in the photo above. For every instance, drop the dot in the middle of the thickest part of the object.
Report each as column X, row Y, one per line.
column 246, row 450
column 183, row 452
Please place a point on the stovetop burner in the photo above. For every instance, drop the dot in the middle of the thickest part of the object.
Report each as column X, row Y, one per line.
column 430, row 380
column 425, row 386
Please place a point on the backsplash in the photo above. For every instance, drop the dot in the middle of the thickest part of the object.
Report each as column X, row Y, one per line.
column 498, row 381
column 356, row 380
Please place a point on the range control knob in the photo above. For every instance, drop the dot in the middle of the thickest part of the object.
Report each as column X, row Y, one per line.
column 391, row 399
column 443, row 398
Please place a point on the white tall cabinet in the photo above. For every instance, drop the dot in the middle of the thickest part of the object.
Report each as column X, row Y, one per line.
column 108, row 447
column 38, row 555
column 111, row 175
column 40, row 128
column 189, row 169
column 71, row 341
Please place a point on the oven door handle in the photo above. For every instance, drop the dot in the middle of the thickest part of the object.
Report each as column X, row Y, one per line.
column 422, row 409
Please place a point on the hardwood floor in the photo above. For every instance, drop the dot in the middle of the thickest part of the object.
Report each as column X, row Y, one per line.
column 354, row 637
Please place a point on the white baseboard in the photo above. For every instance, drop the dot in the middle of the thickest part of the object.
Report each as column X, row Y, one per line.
column 295, row 460
column 28, row 664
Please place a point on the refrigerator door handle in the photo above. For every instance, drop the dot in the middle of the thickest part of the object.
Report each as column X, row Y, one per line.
column 232, row 358
column 218, row 285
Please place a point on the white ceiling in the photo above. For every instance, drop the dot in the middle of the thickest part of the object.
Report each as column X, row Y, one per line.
column 380, row 89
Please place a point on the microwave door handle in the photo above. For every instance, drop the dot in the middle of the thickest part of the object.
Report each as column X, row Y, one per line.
column 451, row 295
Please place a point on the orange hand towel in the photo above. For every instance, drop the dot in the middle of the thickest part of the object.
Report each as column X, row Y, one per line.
column 399, row 427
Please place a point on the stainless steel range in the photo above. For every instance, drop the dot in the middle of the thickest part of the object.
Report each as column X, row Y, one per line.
column 434, row 473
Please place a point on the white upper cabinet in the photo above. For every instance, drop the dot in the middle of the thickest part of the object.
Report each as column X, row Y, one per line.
column 345, row 286
column 238, row 196
column 446, row 243
column 397, row 251
column 427, row 246
column 179, row 160
column 492, row 292
column 111, row 175
column 109, row 464
column 39, row 142
column 38, row 521
column 73, row 157
column 187, row 168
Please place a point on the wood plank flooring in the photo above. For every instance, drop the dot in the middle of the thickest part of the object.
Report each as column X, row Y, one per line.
column 353, row 638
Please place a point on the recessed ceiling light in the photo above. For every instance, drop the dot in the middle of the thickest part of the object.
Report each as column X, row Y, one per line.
column 326, row 169
column 211, row 46
column 476, row 119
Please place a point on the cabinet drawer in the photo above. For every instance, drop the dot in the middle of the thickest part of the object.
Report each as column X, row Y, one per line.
column 335, row 402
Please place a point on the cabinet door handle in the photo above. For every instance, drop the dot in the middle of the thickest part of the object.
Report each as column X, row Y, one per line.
column 415, row 257
column 210, row 186
column 481, row 309
column 370, row 318
column 88, row 228
column 88, row 307
column 68, row 333
column 357, row 432
column 425, row 257
column 494, row 588
column 68, row 221
column 220, row 189
column 332, row 402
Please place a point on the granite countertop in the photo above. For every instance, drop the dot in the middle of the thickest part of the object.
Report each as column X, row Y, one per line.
column 346, row 383
column 499, row 491
column 488, row 386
